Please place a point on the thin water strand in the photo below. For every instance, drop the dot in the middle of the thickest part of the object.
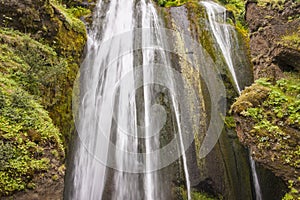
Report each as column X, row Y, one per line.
column 222, row 33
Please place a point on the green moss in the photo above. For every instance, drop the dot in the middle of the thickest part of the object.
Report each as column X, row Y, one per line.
column 25, row 131
column 197, row 17
column 36, row 76
column 293, row 193
column 292, row 40
column 44, row 71
column 33, row 76
column 229, row 122
column 39, row 70
column 171, row 3
column 78, row 12
column 275, row 4
column 71, row 34
column 194, row 194
column 272, row 113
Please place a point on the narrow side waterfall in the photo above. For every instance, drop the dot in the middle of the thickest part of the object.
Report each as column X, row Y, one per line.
column 225, row 36
column 119, row 117
column 255, row 179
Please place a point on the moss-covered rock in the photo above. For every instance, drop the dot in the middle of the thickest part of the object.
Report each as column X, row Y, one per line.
column 45, row 19
column 171, row 3
column 27, row 134
column 37, row 70
column 268, row 121
column 55, row 25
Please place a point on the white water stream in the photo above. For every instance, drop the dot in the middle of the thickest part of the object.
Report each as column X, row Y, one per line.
column 225, row 35
column 118, row 125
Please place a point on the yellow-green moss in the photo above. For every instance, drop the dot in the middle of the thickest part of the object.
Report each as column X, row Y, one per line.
column 273, row 114
column 293, row 194
column 275, row 4
column 39, row 70
column 71, row 34
column 33, row 77
column 273, row 108
column 171, row 3
column 194, row 194
column 292, row 40
column 25, row 131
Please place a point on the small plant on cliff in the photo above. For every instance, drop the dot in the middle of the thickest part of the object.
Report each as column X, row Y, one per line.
column 292, row 40
column 293, row 193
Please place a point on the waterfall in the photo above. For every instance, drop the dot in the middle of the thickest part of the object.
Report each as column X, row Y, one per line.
column 118, row 119
column 225, row 36
column 255, row 179
column 223, row 33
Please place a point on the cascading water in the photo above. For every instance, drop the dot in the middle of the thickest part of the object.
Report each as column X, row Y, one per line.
column 223, row 33
column 225, row 37
column 255, row 179
column 117, row 120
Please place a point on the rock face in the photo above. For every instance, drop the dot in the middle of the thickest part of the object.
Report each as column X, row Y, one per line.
column 47, row 20
column 41, row 44
column 225, row 170
column 269, row 23
column 264, row 111
column 272, row 138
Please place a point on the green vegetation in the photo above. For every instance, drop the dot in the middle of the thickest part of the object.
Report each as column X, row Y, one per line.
column 29, row 71
column 25, row 130
column 36, row 68
column 275, row 4
column 71, row 16
column 229, row 122
column 237, row 7
column 292, row 40
column 170, row 3
column 194, row 194
column 77, row 12
column 293, row 193
column 36, row 77
column 272, row 112
column 279, row 110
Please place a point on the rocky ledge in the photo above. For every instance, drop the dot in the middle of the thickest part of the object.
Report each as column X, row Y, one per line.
column 267, row 113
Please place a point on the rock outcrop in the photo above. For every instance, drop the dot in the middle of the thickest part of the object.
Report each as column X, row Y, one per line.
column 270, row 23
column 266, row 113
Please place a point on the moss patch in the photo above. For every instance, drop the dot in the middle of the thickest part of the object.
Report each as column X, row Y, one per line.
column 292, row 40
column 37, row 75
column 275, row 4
column 182, row 193
column 171, row 3
column 26, row 131
column 273, row 114
column 39, row 70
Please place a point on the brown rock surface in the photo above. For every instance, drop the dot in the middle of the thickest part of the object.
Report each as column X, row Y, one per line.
column 268, row 23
